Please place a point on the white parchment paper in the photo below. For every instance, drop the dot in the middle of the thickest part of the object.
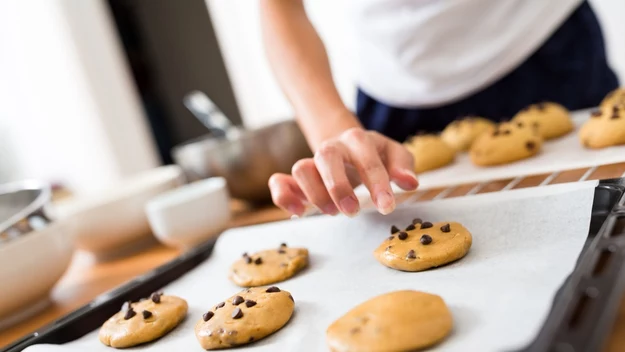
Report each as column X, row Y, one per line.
column 561, row 154
column 525, row 243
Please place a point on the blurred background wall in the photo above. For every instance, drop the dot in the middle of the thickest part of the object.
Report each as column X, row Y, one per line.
column 70, row 110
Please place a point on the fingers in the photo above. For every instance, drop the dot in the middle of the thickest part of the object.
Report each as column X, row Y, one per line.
column 364, row 155
column 400, row 165
column 328, row 179
column 309, row 181
column 286, row 194
column 330, row 161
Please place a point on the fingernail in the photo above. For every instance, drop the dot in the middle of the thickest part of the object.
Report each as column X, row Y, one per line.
column 330, row 209
column 349, row 205
column 411, row 174
column 385, row 202
column 295, row 209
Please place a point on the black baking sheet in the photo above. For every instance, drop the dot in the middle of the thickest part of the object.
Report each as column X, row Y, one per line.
column 587, row 332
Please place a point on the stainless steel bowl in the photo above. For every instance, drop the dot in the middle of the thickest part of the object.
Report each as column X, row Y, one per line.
column 22, row 208
column 246, row 162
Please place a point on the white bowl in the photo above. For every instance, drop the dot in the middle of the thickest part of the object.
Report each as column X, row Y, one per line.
column 190, row 214
column 29, row 267
column 115, row 220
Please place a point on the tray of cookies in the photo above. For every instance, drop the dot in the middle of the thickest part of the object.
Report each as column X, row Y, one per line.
column 542, row 138
column 521, row 270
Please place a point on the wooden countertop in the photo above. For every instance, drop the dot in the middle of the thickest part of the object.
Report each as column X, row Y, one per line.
column 87, row 278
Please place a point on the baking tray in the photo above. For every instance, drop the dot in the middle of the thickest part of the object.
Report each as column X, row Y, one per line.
column 581, row 315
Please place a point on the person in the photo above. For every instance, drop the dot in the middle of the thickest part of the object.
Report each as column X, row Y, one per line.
column 420, row 65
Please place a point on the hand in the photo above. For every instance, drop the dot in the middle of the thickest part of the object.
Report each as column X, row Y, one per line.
column 328, row 179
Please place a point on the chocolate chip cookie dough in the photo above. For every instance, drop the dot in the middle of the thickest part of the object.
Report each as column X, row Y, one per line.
column 460, row 134
column 396, row 321
column 550, row 119
column 510, row 141
column 248, row 316
column 616, row 96
column 423, row 245
column 605, row 128
column 268, row 266
column 143, row 321
column 429, row 152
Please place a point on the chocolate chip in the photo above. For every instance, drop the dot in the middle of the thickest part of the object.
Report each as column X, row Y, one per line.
column 354, row 330
column 258, row 261
column 237, row 313
column 127, row 305
column 248, row 260
column 530, row 145
column 425, row 239
column 291, row 297
column 410, row 227
column 146, row 314
column 207, row 316
column 272, row 289
column 416, row 221
column 596, row 113
column 281, row 251
column 411, row 255
column 283, row 244
column 245, row 255
column 250, row 303
column 220, row 305
column 390, row 238
column 251, row 339
column 506, row 132
column 496, row 133
column 402, row 235
column 388, row 248
column 156, row 297
column 426, row 225
column 614, row 116
column 446, row 228
column 129, row 314
column 520, row 124
column 394, row 229
column 237, row 300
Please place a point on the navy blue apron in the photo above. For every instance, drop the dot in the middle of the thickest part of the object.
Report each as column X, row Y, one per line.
column 569, row 68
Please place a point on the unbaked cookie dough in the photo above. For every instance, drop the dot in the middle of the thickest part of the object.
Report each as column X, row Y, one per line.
column 616, row 96
column 460, row 134
column 429, row 152
column 248, row 316
column 143, row 321
column 395, row 321
column 423, row 245
column 268, row 266
column 510, row 141
column 605, row 128
column 551, row 119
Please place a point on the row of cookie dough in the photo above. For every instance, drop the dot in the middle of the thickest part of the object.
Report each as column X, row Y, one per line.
column 396, row 321
column 494, row 144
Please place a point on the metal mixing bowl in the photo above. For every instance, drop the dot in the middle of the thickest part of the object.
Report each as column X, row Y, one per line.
column 22, row 208
column 246, row 162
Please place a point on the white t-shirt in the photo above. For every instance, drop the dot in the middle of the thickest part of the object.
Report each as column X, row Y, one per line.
column 429, row 52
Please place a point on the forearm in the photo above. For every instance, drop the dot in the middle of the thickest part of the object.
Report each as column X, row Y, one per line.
column 300, row 63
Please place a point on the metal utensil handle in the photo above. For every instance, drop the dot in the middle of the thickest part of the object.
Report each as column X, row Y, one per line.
column 207, row 112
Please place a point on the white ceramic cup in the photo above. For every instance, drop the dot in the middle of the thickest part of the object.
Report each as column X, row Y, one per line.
column 190, row 214
column 114, row 220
